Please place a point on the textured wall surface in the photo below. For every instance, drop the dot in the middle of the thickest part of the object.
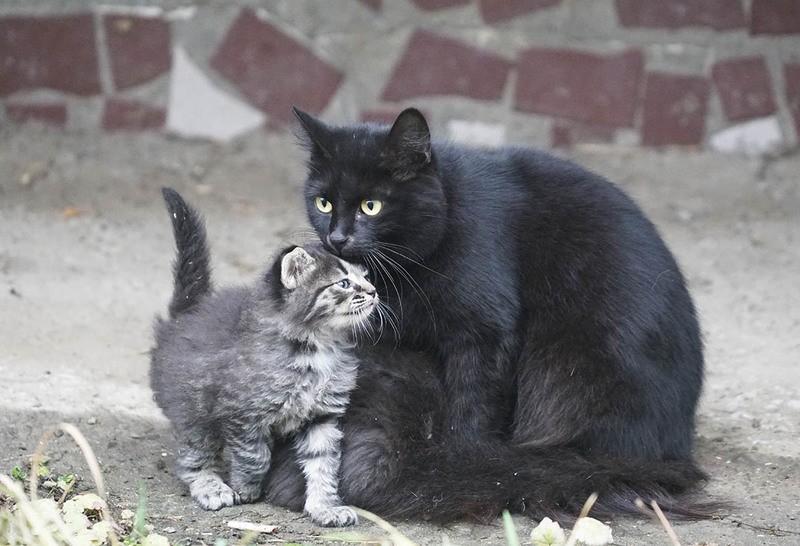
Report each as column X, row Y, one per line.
column 718, row 73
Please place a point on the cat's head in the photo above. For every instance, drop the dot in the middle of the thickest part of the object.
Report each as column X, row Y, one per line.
column 373, row 190
column 320, row 292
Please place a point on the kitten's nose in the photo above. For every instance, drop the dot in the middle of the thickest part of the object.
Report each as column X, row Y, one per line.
column 338, row 240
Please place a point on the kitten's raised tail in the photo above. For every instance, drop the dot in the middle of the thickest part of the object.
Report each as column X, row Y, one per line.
column 191, row 269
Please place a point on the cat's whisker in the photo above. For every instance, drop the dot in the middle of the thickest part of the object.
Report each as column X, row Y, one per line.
column 299, row 236
column 398, row 315
column 385, row 247
column 413, row 283
column 403, row 272
column 381, row 270
column 384, row 244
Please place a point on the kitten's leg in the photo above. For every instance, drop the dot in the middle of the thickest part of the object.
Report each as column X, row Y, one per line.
column 319, row 454
column 250, row 451
column 196, row 466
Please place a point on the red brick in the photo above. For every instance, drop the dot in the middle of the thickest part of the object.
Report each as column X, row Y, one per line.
column 379, row 116
column 272, row 70
column 386, row 116
column 51, row 113
column 433, row 5
column 775, row 17
column 139, row 48
column 674, row 110
column 436, row 65
column 581, row 86
column 495, row 11
column 744, row 88
column 716, row 14
column 125, row 115
column 53, row 52
column 565, row 134
column 791, row 73
column 374, row 5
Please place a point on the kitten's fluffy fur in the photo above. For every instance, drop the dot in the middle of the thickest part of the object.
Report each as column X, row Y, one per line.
column 242, row 367
column 548, row 345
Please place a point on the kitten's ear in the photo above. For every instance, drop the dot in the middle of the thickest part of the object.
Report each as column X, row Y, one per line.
column 408, row 147
column 296, row 265
column 314, row 133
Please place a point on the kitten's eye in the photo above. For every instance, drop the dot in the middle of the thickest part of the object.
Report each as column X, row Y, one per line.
column 344, row 283
column 323, row 204
column 371, row 207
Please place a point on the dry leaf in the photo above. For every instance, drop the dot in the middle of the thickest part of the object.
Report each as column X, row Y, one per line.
column 73, row 212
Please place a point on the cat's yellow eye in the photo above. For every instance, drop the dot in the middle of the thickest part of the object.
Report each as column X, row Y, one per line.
column 323, row 205
column 371, row 207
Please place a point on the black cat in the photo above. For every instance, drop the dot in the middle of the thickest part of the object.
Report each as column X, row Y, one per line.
column 548, row 346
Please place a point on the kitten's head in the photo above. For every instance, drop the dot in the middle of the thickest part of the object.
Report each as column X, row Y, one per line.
column 373, row 191
column 321, row 293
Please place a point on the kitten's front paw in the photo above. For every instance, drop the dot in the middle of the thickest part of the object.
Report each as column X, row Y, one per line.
column 335, row 516
column 213, row 494
column 248, row 493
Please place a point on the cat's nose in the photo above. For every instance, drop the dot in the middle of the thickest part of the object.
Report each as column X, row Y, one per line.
column 338, row 240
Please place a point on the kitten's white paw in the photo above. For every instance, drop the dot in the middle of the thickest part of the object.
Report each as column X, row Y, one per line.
column 334, row 516
column 213, row 494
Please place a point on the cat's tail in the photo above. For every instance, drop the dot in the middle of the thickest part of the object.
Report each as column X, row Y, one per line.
column 192, row 268
column 447, row 483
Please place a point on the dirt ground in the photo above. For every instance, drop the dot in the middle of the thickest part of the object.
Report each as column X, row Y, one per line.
column 85, row 252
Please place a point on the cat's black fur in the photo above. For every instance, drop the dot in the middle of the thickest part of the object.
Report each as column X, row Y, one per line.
column 548, row 344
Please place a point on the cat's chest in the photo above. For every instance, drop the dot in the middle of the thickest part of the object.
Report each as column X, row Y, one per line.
column 459, row 299
column 321, row 385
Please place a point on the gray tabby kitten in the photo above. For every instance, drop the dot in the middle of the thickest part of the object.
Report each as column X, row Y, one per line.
column 239, row 367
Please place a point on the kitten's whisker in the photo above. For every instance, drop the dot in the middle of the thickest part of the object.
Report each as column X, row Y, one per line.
column 355, row 328
column 388, row 313
column 375, row 335
column 376, row 328
column 380, row 325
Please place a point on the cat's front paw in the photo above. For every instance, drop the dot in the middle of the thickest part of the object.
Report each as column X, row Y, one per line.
column 213, row 494
column 334, row 516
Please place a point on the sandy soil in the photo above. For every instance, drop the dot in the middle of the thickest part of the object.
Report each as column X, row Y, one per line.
column 85, row 252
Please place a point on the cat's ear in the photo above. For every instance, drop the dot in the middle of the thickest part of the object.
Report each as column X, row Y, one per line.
column 296, row 265
column 313, row 133
column 407, row 149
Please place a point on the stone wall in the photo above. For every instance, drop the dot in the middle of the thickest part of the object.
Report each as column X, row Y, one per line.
column 718, row 73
